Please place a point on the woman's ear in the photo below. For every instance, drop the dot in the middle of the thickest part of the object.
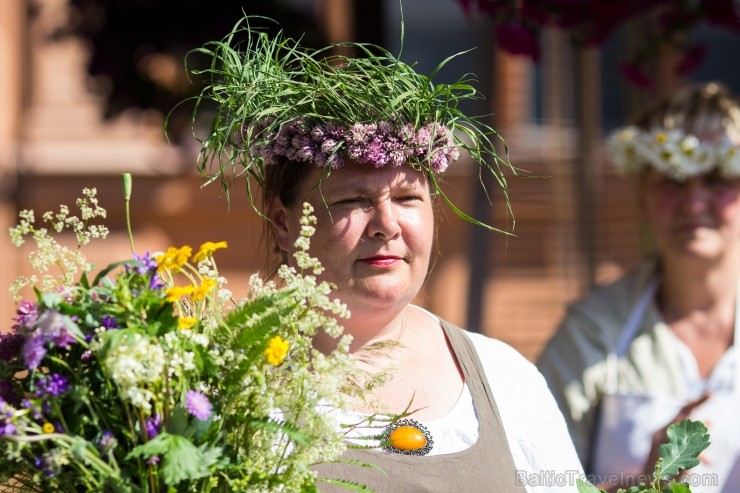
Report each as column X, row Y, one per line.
column 279, row 217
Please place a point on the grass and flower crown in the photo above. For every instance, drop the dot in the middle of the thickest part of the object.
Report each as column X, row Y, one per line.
column 276, row 100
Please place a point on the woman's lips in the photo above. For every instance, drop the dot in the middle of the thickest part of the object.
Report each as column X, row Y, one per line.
column 692, row 226
column 380, row 261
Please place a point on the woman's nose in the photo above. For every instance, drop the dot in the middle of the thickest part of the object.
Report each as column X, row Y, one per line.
column 696, row 195
column 383, row 222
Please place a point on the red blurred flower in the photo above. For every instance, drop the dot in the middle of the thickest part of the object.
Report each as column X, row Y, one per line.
column 516, row 39
column 634, row 74
column 692, row 58
column 518, row 24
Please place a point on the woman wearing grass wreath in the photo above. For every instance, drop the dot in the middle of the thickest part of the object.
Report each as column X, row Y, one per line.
column 660, row 344
column 364, row 140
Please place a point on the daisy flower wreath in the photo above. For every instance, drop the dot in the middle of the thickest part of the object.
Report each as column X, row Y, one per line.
column 276, row 100
column 673, row 152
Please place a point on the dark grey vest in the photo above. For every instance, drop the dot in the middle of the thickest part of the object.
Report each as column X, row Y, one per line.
column 486, row 466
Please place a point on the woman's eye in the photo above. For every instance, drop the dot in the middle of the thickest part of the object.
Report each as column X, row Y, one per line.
column 408, row 198
column 715, row 180
column 670, row 183
column 350, row 200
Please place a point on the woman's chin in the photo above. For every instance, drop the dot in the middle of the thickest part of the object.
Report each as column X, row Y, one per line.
column 366, row 297
column 699, row 250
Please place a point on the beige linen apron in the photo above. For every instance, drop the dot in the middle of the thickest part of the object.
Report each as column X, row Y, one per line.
column 485, row 466
column 628, row 420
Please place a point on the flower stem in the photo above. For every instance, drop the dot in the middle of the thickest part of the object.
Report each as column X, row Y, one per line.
column 126, row 179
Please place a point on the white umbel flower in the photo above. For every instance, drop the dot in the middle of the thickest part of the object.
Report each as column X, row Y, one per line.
column 135, row 366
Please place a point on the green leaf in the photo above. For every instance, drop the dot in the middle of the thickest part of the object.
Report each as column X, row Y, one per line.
column 108, row 269
column 181, row 460
column 293, row 431
column 81, row 450
column 686, row 440
column 178, row 423
column 585, row 486
column 679, row 488
column 347, row 485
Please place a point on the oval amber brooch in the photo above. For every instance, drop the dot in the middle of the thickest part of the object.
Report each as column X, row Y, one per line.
column 407, row 436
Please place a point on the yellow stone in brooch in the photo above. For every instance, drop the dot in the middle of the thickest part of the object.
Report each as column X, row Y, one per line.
column 407, row 436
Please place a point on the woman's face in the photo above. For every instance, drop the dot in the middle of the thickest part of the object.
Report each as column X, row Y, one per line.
column 698, row 217
column 374, row 232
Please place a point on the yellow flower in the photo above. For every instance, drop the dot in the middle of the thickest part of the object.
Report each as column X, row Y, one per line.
column 186, row 322
column 176, row 292
column 174, row 258
column 277, row 350
column 201, row 291
column 207, row 249
column 48, row 428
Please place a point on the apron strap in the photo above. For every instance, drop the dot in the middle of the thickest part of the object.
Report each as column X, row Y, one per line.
column 632, row 324
column 628, row 332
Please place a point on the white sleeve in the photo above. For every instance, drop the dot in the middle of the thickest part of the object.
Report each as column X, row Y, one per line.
column 543, row 451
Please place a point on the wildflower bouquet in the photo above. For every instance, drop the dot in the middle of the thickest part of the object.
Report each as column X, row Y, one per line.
column 150, row 377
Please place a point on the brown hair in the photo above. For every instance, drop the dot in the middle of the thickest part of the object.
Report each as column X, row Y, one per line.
column 281, row 181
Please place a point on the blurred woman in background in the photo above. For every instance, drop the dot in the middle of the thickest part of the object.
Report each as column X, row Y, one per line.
column 660, row 344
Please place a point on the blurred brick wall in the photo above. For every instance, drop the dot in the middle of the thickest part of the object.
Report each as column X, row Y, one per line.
column 59, row 144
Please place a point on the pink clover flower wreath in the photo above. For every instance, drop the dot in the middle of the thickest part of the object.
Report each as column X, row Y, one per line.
column 381, row 144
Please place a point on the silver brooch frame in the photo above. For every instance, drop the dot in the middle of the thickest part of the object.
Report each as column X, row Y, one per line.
column 385, row 438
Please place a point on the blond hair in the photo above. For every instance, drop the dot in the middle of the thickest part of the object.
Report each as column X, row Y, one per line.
column 707, row 111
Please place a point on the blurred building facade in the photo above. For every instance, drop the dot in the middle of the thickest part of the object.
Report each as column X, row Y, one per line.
column 575, row 222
